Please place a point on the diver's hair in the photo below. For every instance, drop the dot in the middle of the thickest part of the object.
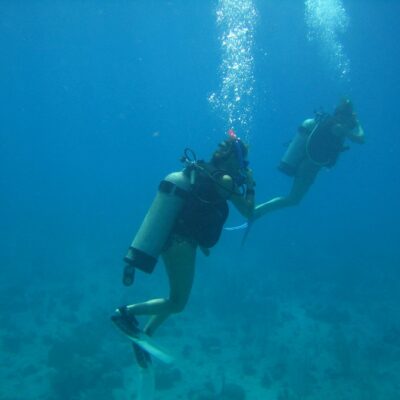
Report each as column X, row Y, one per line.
column 344, row 108
column 225, row 149
column 344, row 112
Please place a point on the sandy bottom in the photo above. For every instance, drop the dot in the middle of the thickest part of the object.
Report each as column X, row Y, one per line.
column 57, row 343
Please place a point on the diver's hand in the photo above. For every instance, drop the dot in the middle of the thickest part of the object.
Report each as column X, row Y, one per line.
column 128, row 275
column 250, row 183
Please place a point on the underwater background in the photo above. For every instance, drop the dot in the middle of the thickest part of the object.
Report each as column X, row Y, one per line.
column 98, row 100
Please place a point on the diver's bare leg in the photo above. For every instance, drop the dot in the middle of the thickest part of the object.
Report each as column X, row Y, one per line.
column 271, row 205
column 301, row 184
column 179, row 260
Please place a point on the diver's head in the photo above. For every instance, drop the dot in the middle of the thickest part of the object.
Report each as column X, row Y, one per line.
column 231, row 155
column 344, row 113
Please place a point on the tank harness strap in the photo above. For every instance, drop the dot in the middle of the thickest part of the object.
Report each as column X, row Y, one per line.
column 139, row 259
column 172, row 189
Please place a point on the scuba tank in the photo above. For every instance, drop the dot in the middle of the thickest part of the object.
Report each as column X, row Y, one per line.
column 296, row 150
column 314, row 141
column 156, row 226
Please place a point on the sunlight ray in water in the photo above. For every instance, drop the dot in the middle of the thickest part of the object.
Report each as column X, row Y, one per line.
column 236, row 20
column 326, row 21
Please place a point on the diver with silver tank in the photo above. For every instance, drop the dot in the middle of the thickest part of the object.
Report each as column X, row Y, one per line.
column 189, row 211
column 317, row 144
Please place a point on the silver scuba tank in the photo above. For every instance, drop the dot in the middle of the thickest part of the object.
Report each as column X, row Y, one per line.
column 296, row 151
column 158, row 222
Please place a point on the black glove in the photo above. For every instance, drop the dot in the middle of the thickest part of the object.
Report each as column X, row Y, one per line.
column 128, row 276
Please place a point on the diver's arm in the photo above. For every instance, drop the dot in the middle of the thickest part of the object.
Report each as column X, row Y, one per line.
column 245, row 203
column 357, row 135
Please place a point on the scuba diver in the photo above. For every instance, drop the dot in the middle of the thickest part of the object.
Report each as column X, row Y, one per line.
column 188, row 212
column 317, row 144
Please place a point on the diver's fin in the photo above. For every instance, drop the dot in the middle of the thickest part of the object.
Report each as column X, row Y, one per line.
column 147, row 344
column 128, row 325
column 250, row 223
column 146, row 387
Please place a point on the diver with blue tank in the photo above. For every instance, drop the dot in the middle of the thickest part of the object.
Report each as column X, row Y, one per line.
column 317, row 144
column 189, row 211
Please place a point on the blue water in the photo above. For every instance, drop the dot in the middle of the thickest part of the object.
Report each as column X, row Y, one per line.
column 98, row 100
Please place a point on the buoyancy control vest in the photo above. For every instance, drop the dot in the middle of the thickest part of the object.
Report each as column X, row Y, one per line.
column 316, row 141
column 204, row 211
column 323, row 145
